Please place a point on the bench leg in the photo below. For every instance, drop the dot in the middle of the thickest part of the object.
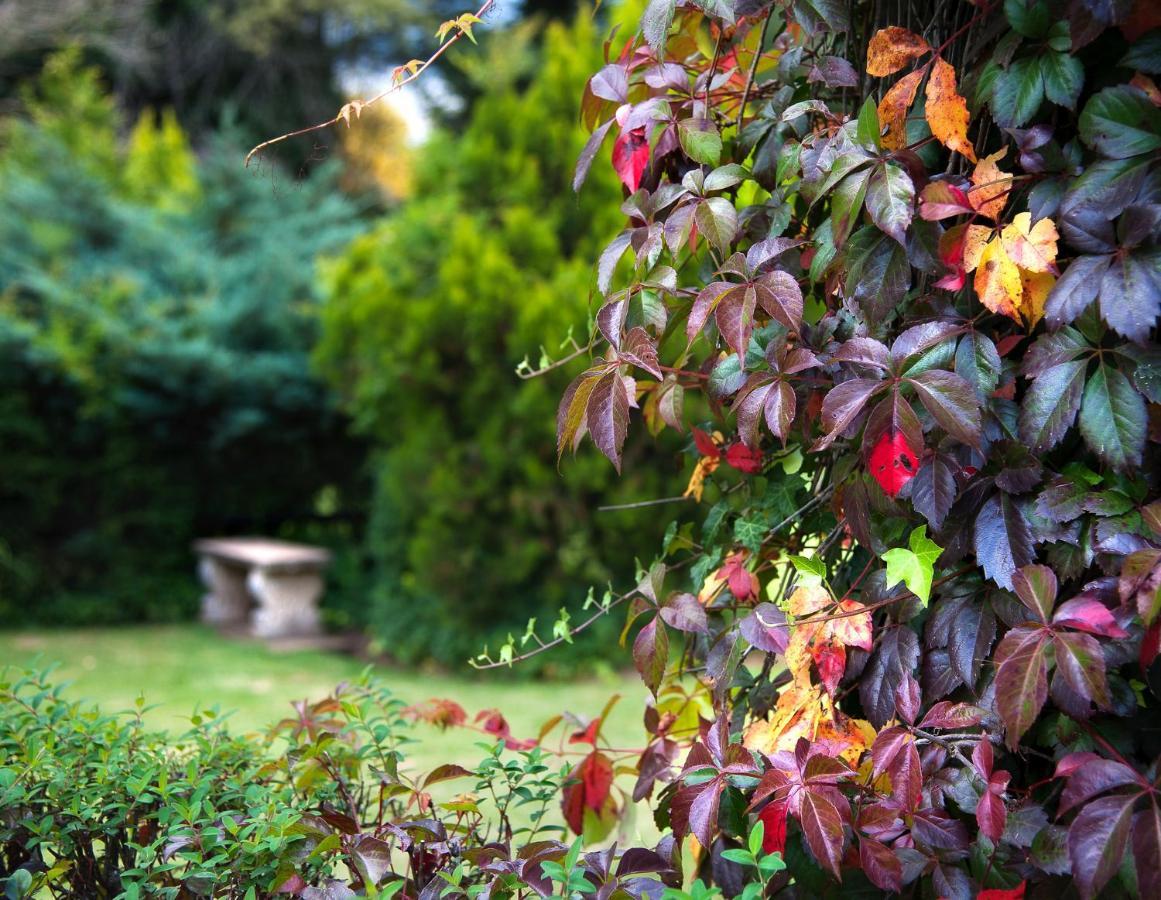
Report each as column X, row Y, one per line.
column 287, row 603
column 226, row 601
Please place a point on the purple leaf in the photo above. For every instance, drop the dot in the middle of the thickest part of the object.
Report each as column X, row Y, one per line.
column 651, row 654
column 1097, row 842
column 1002, row 539
column 1021, row 679
column 765, row 628
column 608, row 416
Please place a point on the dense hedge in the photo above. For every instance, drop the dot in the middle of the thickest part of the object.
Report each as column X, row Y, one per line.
column 156, row 315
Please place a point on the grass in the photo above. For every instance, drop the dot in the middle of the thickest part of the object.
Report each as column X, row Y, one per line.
column 182, row 668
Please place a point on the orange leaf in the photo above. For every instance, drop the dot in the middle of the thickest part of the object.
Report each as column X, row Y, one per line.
column 1031, row 247
column 807, row 599
column 893, row 109
column 947, row 112
column 1145, row 83
column 998, row 281
column 989, row 195
column 854, row 629
column 892, row 48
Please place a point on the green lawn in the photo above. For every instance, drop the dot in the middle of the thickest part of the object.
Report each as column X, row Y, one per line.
column 180, row 668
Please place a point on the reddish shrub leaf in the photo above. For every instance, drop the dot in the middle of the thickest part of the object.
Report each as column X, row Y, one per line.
column 631, row 157
column 1089, row 776
column 881, row 865
column 705, row 444
column 588, row 786
column 608, row 416
column 893, row 462
column 823, row 827
column 1082, row 665
column 651, row 654
column 773, row 818
column 1088, row 614
column 1016, row 893
column 948, row 715
column 744, row 459
column 1147, row 849
column 1021, row 679
column 1036, row 588
column 743, row 584
column 991, row 814
column 1002, row 538
column 1097, row 842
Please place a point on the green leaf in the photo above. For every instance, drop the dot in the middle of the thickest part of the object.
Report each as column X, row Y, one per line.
column 1113, row 418
column 915, row 567
column 1063, row 77
column 1017, row 93
column 891, row 201
column 1120, row 122
column 717, row 220
column 700, row 141
column 809, row 566
column 868, row 131
column 846, row 203
column 1050, row 406
column 655, row 22
column 1031, row 18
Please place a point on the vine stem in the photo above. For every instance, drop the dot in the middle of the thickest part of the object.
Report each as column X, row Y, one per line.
column 343, row 115
column 751, row 73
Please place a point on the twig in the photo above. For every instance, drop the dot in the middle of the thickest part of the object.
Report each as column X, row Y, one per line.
column 344, row 114
column 750, row 74
column 641, row 503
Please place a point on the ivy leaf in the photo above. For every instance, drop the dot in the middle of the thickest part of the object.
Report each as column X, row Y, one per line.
column 1113, row 418
column 1051, row 405
column 717, row 220
column 823, row 827
column 890, row 49
column 655, row 22
column 1017, row 93
column 843, row 403
column 1063, row 77
column 914, row 566
column 1130, row 293
column 1002, row 538
column 893, row 109
column 891, row 200
column 700, row 140
column 1075, row 289
column 631, row 157
column 952, row 403
column 1119, row 122
column 946, row 110
column 1021, row 679
column 1082, row 665
column 608, row 416
column 1097, row 840
column 651, row 654
column 933, row 489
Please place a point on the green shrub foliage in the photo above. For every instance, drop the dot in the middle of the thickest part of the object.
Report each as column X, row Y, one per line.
column 156, row 314
column 473, row 529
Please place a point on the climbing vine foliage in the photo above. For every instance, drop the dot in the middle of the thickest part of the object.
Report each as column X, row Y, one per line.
column 898, row 281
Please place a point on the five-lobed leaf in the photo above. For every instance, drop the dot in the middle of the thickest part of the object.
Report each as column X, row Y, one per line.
column 915, row 564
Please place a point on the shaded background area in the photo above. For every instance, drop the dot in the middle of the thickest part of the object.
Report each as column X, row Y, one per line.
column 320, row 347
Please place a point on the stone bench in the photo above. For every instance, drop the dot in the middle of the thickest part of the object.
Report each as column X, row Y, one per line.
column 270, row 587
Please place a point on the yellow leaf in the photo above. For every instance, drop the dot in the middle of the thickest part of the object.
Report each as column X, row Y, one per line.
column 998, row 281
column 975, row 239
column 989, row 194
column 892, row 48
column 705, row 467
column 1031, row 247
column 947, row 112
column 893, row 109
column 807, row 599
column 1035, row 287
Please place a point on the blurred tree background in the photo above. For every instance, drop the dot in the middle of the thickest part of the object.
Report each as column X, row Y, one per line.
column 188, row 347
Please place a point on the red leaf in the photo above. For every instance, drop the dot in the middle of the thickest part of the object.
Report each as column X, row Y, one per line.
column 773, row 817
column 1150, row 645
column 1016, row 893
column 705, row 444
column 588, row 786
column 742, row 583
column 631, row 157
column 893, row 462
column 831, row 661
column 823, row 827
column 881, row 865
column 991, row 814
column 744, row 459
column 589, row 735
column 1088, row 614
column 293, row 885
